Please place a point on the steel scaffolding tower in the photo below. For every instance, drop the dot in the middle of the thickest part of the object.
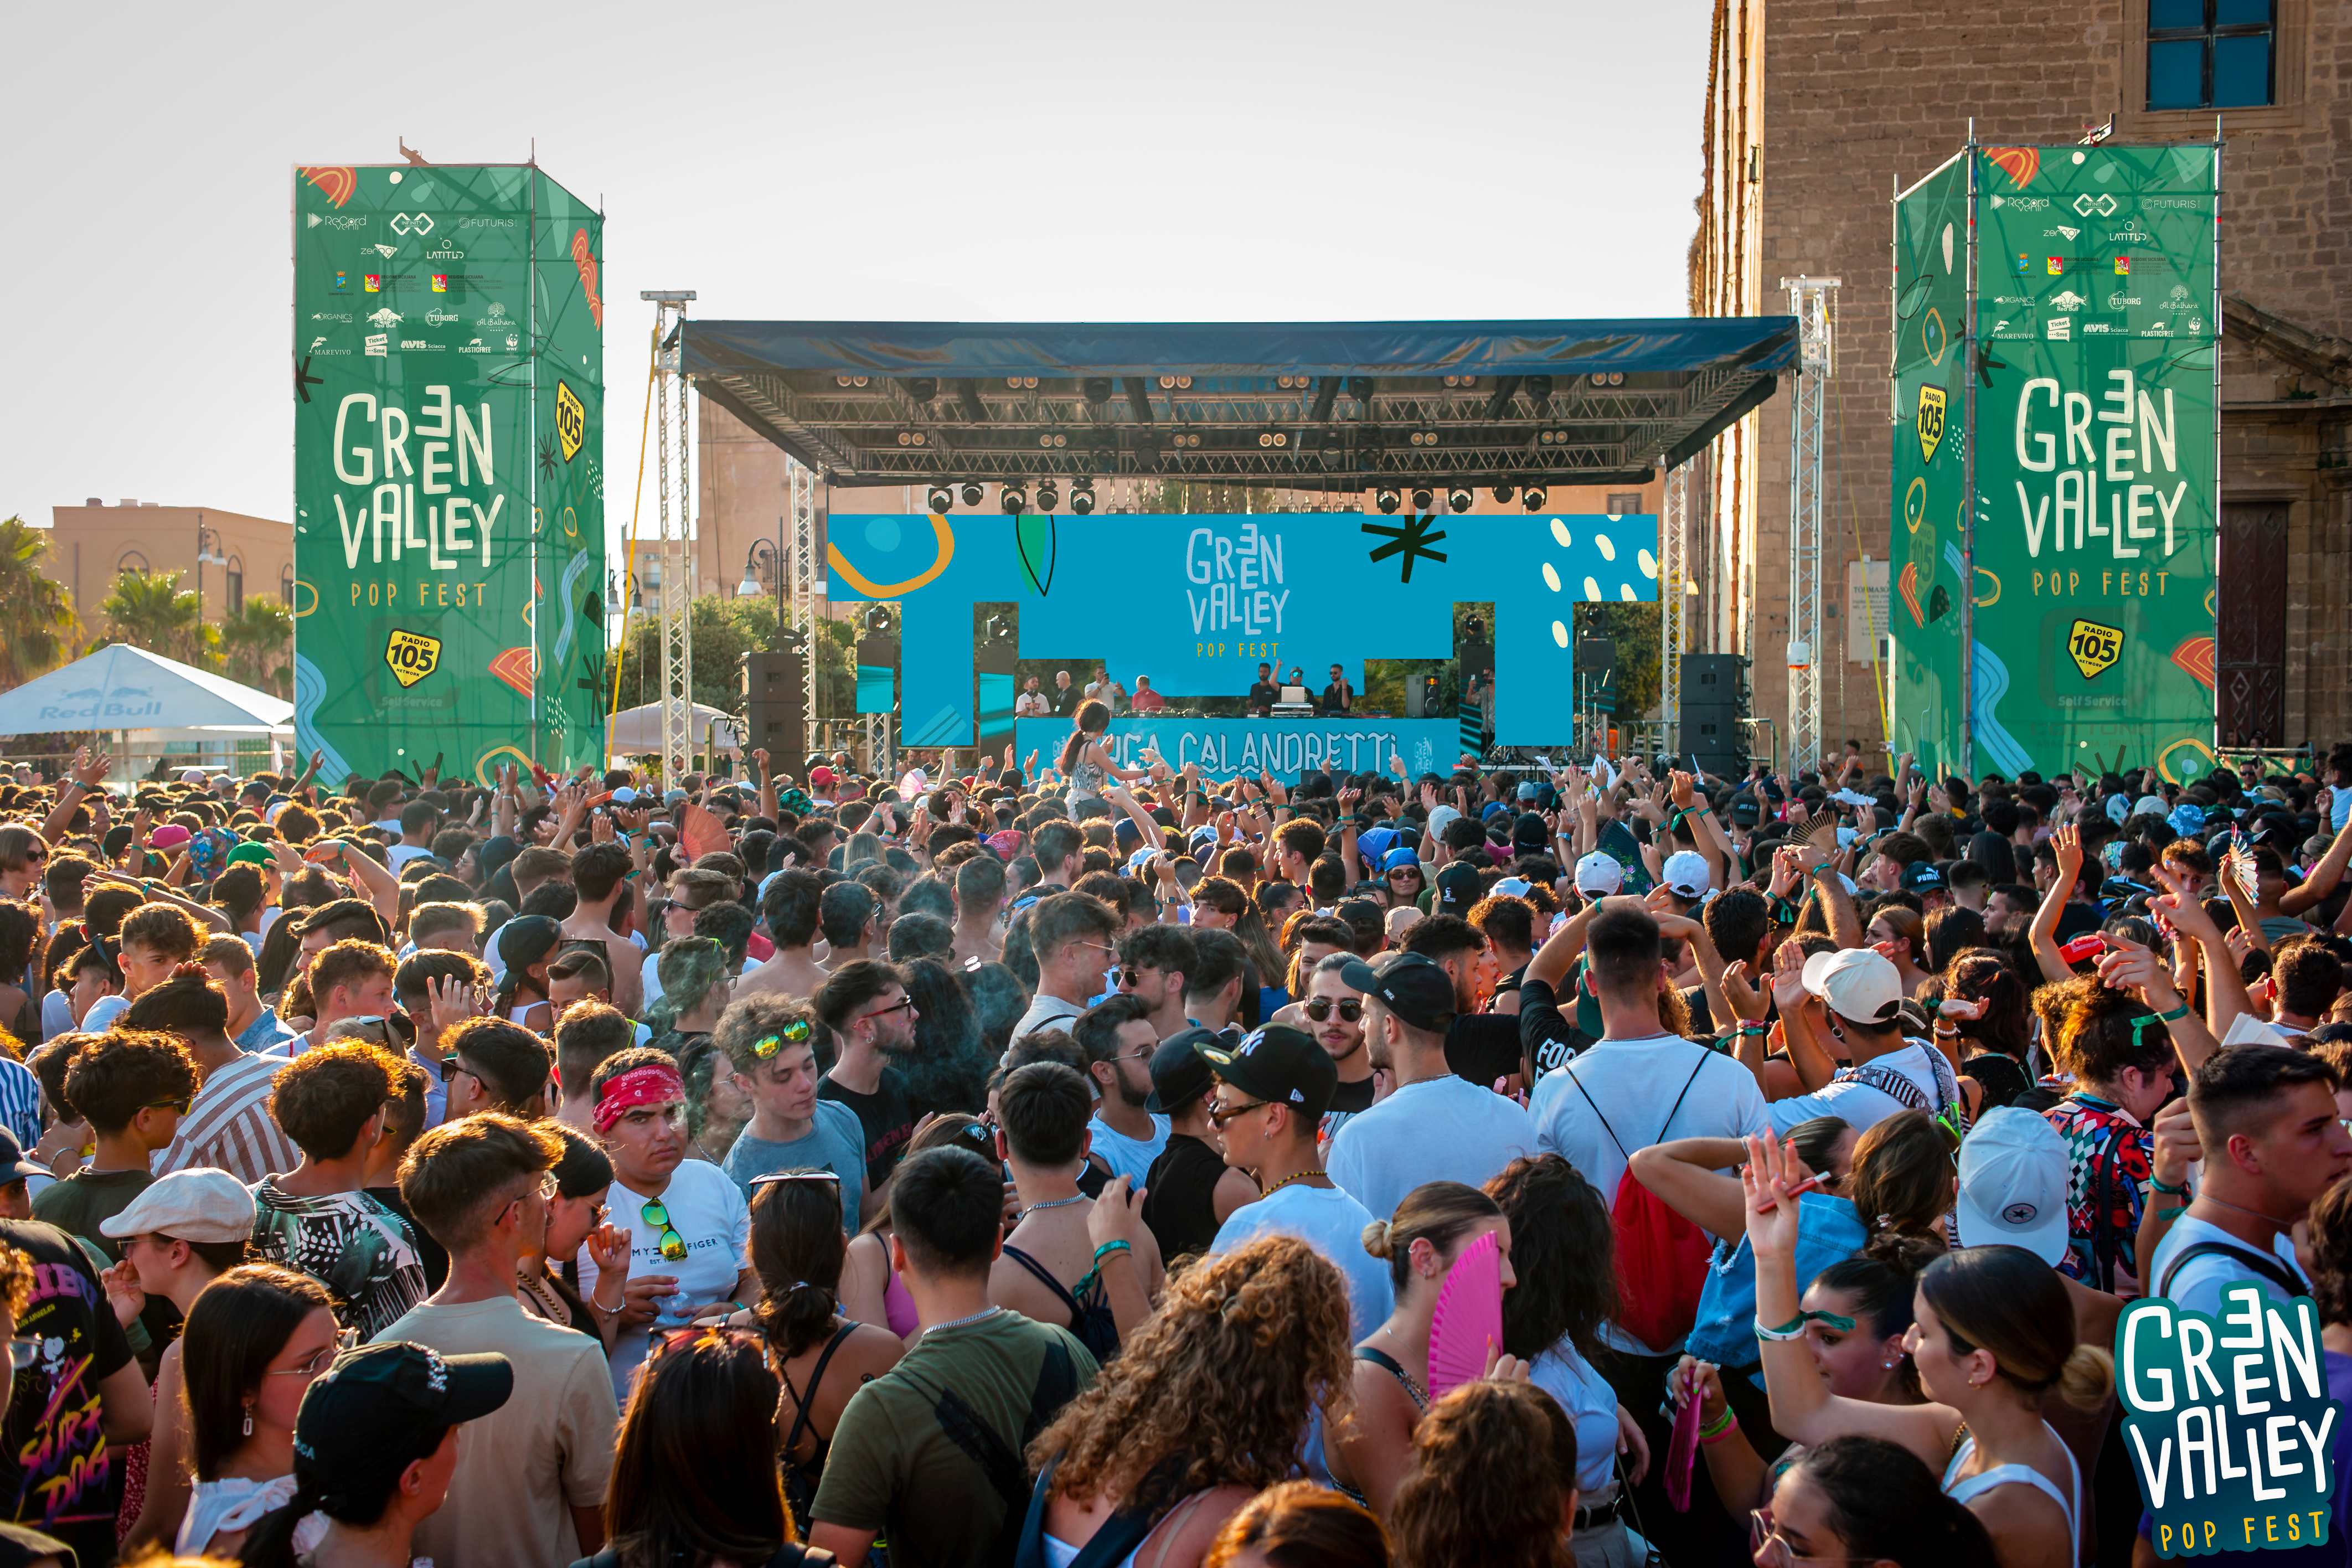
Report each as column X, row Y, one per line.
column 802, row 567
column 1814, row 301
column 1674, row 629
column 676, row 552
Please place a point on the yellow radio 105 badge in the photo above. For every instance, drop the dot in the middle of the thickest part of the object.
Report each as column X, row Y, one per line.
column 2093, row 646
column 411, row 656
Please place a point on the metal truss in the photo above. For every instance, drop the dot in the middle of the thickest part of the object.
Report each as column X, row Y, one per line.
column 803, row 578
column 675, row 551
column 1673, row 612
column 1812, row 300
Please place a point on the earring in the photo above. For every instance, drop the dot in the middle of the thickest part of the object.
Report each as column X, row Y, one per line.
column 248, row 1420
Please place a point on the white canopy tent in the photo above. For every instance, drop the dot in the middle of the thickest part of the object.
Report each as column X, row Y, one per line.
column 637, row 731
column 151, row 705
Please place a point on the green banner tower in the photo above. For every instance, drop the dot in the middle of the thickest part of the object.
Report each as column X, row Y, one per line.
column 2074, row 601
column 448, row 481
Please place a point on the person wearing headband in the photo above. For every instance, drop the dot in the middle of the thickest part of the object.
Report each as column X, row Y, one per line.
column 686, row 1221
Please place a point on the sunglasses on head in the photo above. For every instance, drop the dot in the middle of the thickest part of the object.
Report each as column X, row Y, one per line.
column 795, row 1033
column 1320, row 1008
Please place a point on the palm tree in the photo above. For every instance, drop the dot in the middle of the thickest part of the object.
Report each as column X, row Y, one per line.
column 259, row 644
column 37, row 619
column 150, row 610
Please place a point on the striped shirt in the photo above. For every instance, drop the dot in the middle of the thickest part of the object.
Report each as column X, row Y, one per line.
column 229, row 1126
column 20, row 1101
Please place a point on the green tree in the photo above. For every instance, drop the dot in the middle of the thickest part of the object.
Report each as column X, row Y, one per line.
column 37, row 624
column 151, row 610
column 257, row 644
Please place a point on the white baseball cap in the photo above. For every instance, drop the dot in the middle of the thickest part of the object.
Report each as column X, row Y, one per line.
column 2013, row 1185
column 1685, row 872
column 1598, row 874
column 1858, row 983
column 1440, row 818
column 197, row 1205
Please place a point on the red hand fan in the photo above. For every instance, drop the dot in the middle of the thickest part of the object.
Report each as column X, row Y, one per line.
column 1468, row 1323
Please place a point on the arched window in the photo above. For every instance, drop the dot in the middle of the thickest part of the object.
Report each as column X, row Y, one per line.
column 236, row 584
column 132, row 560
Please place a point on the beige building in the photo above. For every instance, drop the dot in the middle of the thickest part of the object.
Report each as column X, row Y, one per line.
column 1817, row 111
column 92, row 544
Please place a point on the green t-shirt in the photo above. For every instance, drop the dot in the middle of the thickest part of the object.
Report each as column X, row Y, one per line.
column 76, row 1204
column 892, row 1468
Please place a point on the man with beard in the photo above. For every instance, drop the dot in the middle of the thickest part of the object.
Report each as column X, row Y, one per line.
column 1508, row 922
column 1481, row 1047
column 1152, row 966
column 1335, row 1015
column 1118, row 1036
column 1030, row 703
column 866, row 1006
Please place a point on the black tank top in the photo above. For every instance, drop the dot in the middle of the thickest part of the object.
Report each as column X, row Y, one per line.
column 1179, row 1204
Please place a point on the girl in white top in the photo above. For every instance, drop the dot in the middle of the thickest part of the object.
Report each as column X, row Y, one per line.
column 1993, row 1331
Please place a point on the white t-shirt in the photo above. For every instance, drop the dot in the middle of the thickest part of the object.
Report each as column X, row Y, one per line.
column 1128, row 1157
column 399, row 855
column 1439, row 1130
column 1634, row 1084
column 649, row 972
column 1047, row 1013
column 1590, row 1404
column 1862, row 1107
column 103, row 1012
column 2198, row 1287
column 708, row 1211
column 1330, row 1222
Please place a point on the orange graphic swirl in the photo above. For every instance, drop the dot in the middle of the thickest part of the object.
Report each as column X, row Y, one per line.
column 338, row 183
column 583, row 256
column 2020, row 164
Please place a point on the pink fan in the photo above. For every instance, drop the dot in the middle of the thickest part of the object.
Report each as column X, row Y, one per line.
column 1468, row 1323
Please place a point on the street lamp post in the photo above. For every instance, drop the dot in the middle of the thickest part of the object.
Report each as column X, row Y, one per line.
column 775, row 553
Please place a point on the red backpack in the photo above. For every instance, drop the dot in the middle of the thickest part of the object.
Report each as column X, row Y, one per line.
column 1661, row 1257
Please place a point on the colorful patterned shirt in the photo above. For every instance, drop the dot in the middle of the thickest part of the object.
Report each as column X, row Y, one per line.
column 2108, row 1159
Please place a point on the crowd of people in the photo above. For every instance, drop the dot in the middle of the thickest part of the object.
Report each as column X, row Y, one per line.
column 1082, row 1165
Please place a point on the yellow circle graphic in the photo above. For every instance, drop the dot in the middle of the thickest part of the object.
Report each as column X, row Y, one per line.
column 483, row 765
column 2164, row 757
column 571, row 523
column 2212, row 595
column 1987, row 571
column 1915, row 505
column 298, row 608
column 857, row 579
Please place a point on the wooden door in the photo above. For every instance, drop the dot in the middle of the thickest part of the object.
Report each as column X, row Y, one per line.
column 2249, row 663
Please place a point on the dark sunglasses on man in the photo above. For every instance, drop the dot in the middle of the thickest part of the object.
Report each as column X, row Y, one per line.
column 1319, row 1008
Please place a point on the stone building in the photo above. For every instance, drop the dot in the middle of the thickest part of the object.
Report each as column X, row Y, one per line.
column 1818, row 110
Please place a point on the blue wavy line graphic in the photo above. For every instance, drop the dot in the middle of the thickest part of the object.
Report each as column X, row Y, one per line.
column 578, row 564
column 1989, row 685
column 310, row 691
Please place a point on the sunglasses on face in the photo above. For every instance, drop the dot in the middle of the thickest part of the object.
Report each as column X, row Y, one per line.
column 1221, row 1114
column 450, row 1066
column 673, row 1246
column 180, row 1105
column 1319, row 1008
column 1402, row 872
column 795, row 1033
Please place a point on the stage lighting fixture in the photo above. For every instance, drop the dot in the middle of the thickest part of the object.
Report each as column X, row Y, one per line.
column 941, row 498
column 1016, row 500
column 1533, row 498
column 1540, row 389
column 1385, row 498
column 1458, row 499
column 923, row 388
column 1359, row 387
column 1048, row 495
column 1097, row 388
column 1503, row 493
column 972, row 491
column 1421, row 500
column 1082, row 497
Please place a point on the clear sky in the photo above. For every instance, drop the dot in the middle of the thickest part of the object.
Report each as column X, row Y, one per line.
column 883, row 160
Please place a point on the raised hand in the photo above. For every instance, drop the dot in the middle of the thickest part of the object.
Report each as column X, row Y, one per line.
column 449, row 1002
column 1680, row 783
column 761, row 757
column 1768, row 1182
column 1117, row 1214
column 2176, row 1145
column 2066, row 843
column 90, row 771
column 1742, row 993
column 1789, row 976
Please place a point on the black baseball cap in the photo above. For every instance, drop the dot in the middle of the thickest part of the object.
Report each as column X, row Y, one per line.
column 1457, row 889
column 1923, row 877
column 1178, row 1075
column 1277, row 1064
column 1407, row 985
column 526, row 940
column 14, row 1166
column 375, row 1406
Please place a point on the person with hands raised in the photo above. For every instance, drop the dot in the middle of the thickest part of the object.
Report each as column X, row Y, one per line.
column 1993, row 1331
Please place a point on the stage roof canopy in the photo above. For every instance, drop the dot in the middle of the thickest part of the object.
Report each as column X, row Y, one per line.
column 1343, row 406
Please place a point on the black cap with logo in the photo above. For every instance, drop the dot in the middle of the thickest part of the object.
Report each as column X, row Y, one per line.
column 1277, row 1064
column 376, row 1406
column 1458, row 888
column 1407, row 985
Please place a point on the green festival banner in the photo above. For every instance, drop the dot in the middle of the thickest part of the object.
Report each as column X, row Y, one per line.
column 2087, row 565
column 449, row 488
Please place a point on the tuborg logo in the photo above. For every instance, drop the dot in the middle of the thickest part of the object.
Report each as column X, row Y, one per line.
column 2117, row 302
column 438, row 317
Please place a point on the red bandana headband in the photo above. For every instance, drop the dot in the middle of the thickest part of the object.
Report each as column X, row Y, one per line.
column 652, row 1085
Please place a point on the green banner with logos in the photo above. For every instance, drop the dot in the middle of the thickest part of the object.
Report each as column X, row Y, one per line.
column 2090, row 564
column 1926, row 581
column 448, row 493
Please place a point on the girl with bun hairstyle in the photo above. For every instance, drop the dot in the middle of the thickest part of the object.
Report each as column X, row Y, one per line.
column 1866, row 1500
column 1993, row 1332
column 1368, row 1455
